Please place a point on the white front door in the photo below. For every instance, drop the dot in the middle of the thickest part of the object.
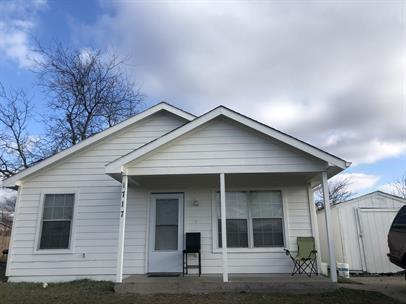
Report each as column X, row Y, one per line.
column 166, row 233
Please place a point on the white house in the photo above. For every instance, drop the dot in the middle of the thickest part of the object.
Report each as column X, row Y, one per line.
column 94, row 210
column 360, row 229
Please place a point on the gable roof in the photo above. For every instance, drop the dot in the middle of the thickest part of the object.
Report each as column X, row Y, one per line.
column 115, row 166
column 162, row 106
column 363, row 196
column 374, row 193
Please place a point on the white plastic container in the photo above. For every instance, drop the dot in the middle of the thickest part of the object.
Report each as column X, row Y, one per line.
column 343, row 270
column 324, row 269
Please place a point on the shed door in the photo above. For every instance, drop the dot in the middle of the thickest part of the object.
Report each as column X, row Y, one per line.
column 375, row 225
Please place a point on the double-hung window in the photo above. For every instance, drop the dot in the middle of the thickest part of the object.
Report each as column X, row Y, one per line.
column 253, row 219
column 267, row 219
column 236, row 220
column 57, row 221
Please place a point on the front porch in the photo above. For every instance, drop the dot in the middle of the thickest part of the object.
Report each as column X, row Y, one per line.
column 252, row 283
column 197, row 200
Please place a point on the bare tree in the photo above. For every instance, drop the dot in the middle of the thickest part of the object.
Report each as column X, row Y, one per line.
column 7, row 207
column 338, row 191
column 88, row 93
column 400, row 186
column 18, row 149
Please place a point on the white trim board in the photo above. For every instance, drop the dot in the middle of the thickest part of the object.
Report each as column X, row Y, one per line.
column 117, row 165
column 15, row 180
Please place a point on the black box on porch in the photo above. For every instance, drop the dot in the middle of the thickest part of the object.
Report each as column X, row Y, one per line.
column 192, row 245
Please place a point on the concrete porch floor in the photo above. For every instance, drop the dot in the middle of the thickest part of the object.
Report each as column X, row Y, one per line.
column 260, row 283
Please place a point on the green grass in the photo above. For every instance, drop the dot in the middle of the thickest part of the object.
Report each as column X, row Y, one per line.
column 102, row 293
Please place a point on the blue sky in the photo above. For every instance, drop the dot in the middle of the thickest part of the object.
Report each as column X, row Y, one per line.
column 330, row 73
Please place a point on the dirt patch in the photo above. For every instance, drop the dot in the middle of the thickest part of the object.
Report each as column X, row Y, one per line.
column 377, row 275
column 348, row 281
column 393, row 286
column 102, row 293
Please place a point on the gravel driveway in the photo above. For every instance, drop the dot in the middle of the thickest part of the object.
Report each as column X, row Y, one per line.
column 392, row 286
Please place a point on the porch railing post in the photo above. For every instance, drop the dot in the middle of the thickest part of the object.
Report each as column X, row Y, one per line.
column 223, row 226
column 327, row 213
column 121, row 236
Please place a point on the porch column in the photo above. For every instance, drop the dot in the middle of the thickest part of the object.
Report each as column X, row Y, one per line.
column 123, row 211
column 315, row 227
column 223, row 226
column 327, row 213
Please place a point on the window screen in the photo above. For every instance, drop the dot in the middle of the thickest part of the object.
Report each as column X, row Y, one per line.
column 267, row 219
column 237, row 233
column 268, row 232
column 166, row 224
column 253, row 219
column 236, row 219
column 56, row 221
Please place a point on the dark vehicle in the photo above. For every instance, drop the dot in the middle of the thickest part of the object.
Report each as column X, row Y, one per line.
column 397, row 239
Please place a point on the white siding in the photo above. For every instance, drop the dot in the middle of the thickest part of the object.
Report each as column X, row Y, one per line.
column 345, row 228
column 199, row 219
column 97, row 215
column 224, row 146
column 96, row 236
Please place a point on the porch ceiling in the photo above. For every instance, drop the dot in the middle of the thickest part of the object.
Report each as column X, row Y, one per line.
column 232, row 180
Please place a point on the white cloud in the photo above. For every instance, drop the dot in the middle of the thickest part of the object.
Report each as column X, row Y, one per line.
column 326, row 72
column 85, row 55
column 359, row 182
column 388, row 188
column 17, row 21
column 6, row 194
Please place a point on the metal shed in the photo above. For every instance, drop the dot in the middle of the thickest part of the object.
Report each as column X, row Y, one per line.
column 360, row 228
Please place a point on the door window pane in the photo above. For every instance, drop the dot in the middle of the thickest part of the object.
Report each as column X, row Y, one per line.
column 167, row 211
column 268, row 232
column 237, row 233
column 166, row 237
column 166, row 224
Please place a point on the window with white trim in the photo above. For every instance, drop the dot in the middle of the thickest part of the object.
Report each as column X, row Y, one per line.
column 56, row 223
column 253, row 219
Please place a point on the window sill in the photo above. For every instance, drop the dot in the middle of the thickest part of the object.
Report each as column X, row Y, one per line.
column 53, row 251
column 252, row 250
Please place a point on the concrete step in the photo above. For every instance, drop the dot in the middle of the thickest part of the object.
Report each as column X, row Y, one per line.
column 194, row 285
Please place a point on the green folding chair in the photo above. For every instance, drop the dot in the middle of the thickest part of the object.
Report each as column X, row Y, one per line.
column 305, row 260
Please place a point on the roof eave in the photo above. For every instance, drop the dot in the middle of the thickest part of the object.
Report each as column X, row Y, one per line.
column 15, row 180
column 333, row 161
